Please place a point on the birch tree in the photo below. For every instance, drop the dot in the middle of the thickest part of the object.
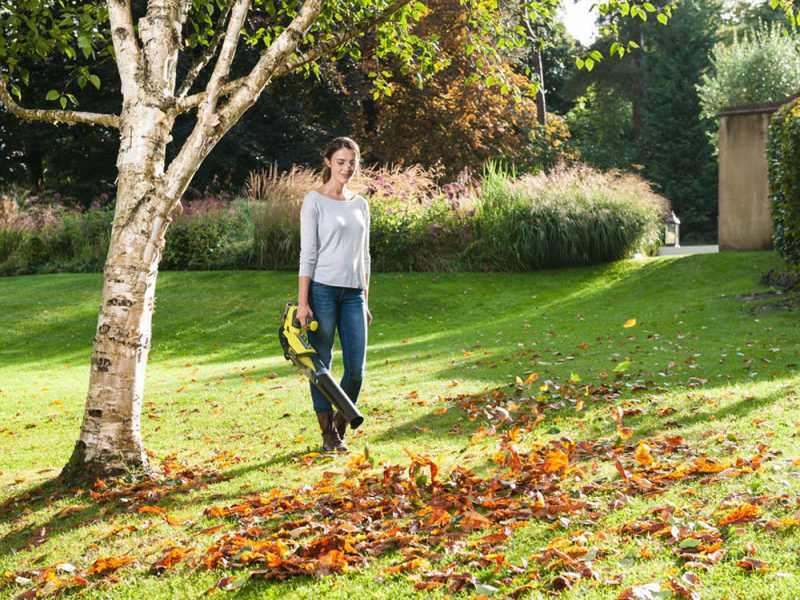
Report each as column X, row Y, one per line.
column 148, row 41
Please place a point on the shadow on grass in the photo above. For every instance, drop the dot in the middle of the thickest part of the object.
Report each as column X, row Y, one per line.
column 38, row 499
column 736, row 410
column 432, row 425
column 86, row 512
column 219, row 317
column 228, row 316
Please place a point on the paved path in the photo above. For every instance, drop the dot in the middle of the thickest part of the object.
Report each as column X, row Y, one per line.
column 684, row 250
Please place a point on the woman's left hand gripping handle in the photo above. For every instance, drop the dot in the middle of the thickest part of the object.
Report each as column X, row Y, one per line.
column 305, row 316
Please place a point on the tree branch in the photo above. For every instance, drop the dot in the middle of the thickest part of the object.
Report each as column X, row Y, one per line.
column 207, row 132
column 161, row 33
column 126, row 47
column 340, row 40
column 208, row 53
column 187, row 103
column 68, row 117
column 226, row 54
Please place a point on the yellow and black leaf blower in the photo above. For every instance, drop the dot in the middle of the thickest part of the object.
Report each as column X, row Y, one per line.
column 296, row 348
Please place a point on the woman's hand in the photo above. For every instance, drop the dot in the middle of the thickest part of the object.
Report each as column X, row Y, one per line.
column 304, row 315
column 369, row 318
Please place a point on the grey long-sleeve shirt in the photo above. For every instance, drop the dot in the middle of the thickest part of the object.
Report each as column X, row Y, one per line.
column 334, row 240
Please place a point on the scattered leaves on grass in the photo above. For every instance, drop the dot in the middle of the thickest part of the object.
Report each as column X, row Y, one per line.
column 754, row 566
column 643, row 455
column 448, row 524
column 171, row 557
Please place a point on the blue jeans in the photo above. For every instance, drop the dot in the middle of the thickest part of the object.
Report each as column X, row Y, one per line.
column 343, row 309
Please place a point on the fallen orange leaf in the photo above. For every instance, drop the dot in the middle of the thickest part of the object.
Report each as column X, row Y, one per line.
column 531, row 378
column 409, row 565
column 751, row 564
column 173, row 520
column 643, row 455
column 474, row 520
column 625, row 432
column 108, row 564
column 151, row 510
column 555, row 461
column 745, row 512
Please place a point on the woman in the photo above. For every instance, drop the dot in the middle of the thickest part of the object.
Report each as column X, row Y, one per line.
column 334, row 278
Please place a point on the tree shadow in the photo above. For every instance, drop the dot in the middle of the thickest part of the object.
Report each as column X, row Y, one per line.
column 41, row 497
column 432, row 425
column 737, row 410
column 77, row 515
column 34, row 499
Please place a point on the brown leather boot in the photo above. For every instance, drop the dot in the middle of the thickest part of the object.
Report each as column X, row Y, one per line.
column 340, row 423
column 330, row 437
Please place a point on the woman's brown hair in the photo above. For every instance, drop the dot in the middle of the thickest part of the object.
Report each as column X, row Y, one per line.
column 336, row 145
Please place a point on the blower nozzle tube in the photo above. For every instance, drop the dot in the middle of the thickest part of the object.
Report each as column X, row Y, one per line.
column 323, row 381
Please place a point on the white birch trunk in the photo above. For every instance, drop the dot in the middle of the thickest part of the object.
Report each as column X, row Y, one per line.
column 110, row 441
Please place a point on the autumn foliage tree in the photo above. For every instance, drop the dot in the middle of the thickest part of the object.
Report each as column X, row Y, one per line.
column 416, row 124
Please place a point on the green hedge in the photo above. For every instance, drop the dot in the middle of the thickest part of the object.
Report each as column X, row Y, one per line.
column 78, row 243
column 216, row 239
column 783, row 157
column 569, row 218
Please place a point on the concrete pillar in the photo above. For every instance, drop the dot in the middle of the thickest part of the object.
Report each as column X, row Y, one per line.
column 745, row 221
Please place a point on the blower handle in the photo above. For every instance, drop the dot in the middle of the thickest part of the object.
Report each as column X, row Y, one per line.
column 313, row 325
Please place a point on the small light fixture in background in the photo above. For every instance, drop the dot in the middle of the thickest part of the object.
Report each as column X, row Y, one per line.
column 672, row 233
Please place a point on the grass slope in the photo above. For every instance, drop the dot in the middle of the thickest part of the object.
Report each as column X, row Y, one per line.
column 218, row 383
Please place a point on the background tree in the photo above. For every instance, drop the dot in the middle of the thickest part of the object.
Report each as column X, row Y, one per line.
column 673, row 146
column 644, row 114
column 744, row 15
column 601, row 130
column 415, row 124
column 559, row 53
column 759, row 65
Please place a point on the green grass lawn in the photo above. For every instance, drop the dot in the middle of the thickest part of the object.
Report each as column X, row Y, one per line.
column 701, row 362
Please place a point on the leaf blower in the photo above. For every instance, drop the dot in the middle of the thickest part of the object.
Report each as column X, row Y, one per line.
column 297, row 349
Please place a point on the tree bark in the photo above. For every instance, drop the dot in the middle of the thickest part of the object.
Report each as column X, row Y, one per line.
column 541, row 104
column 110, row 441
column 638, row 90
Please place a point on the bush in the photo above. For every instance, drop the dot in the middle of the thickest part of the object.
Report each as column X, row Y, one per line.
column 210, row 235
column 47, row 237
column 572, row 216
column 783, row 157
column 276, row 233
column 762, row 66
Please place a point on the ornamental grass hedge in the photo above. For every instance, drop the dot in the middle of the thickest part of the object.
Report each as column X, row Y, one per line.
column 499, row 222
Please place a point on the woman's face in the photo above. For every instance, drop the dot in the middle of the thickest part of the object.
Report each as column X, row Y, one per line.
column 342, row 164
